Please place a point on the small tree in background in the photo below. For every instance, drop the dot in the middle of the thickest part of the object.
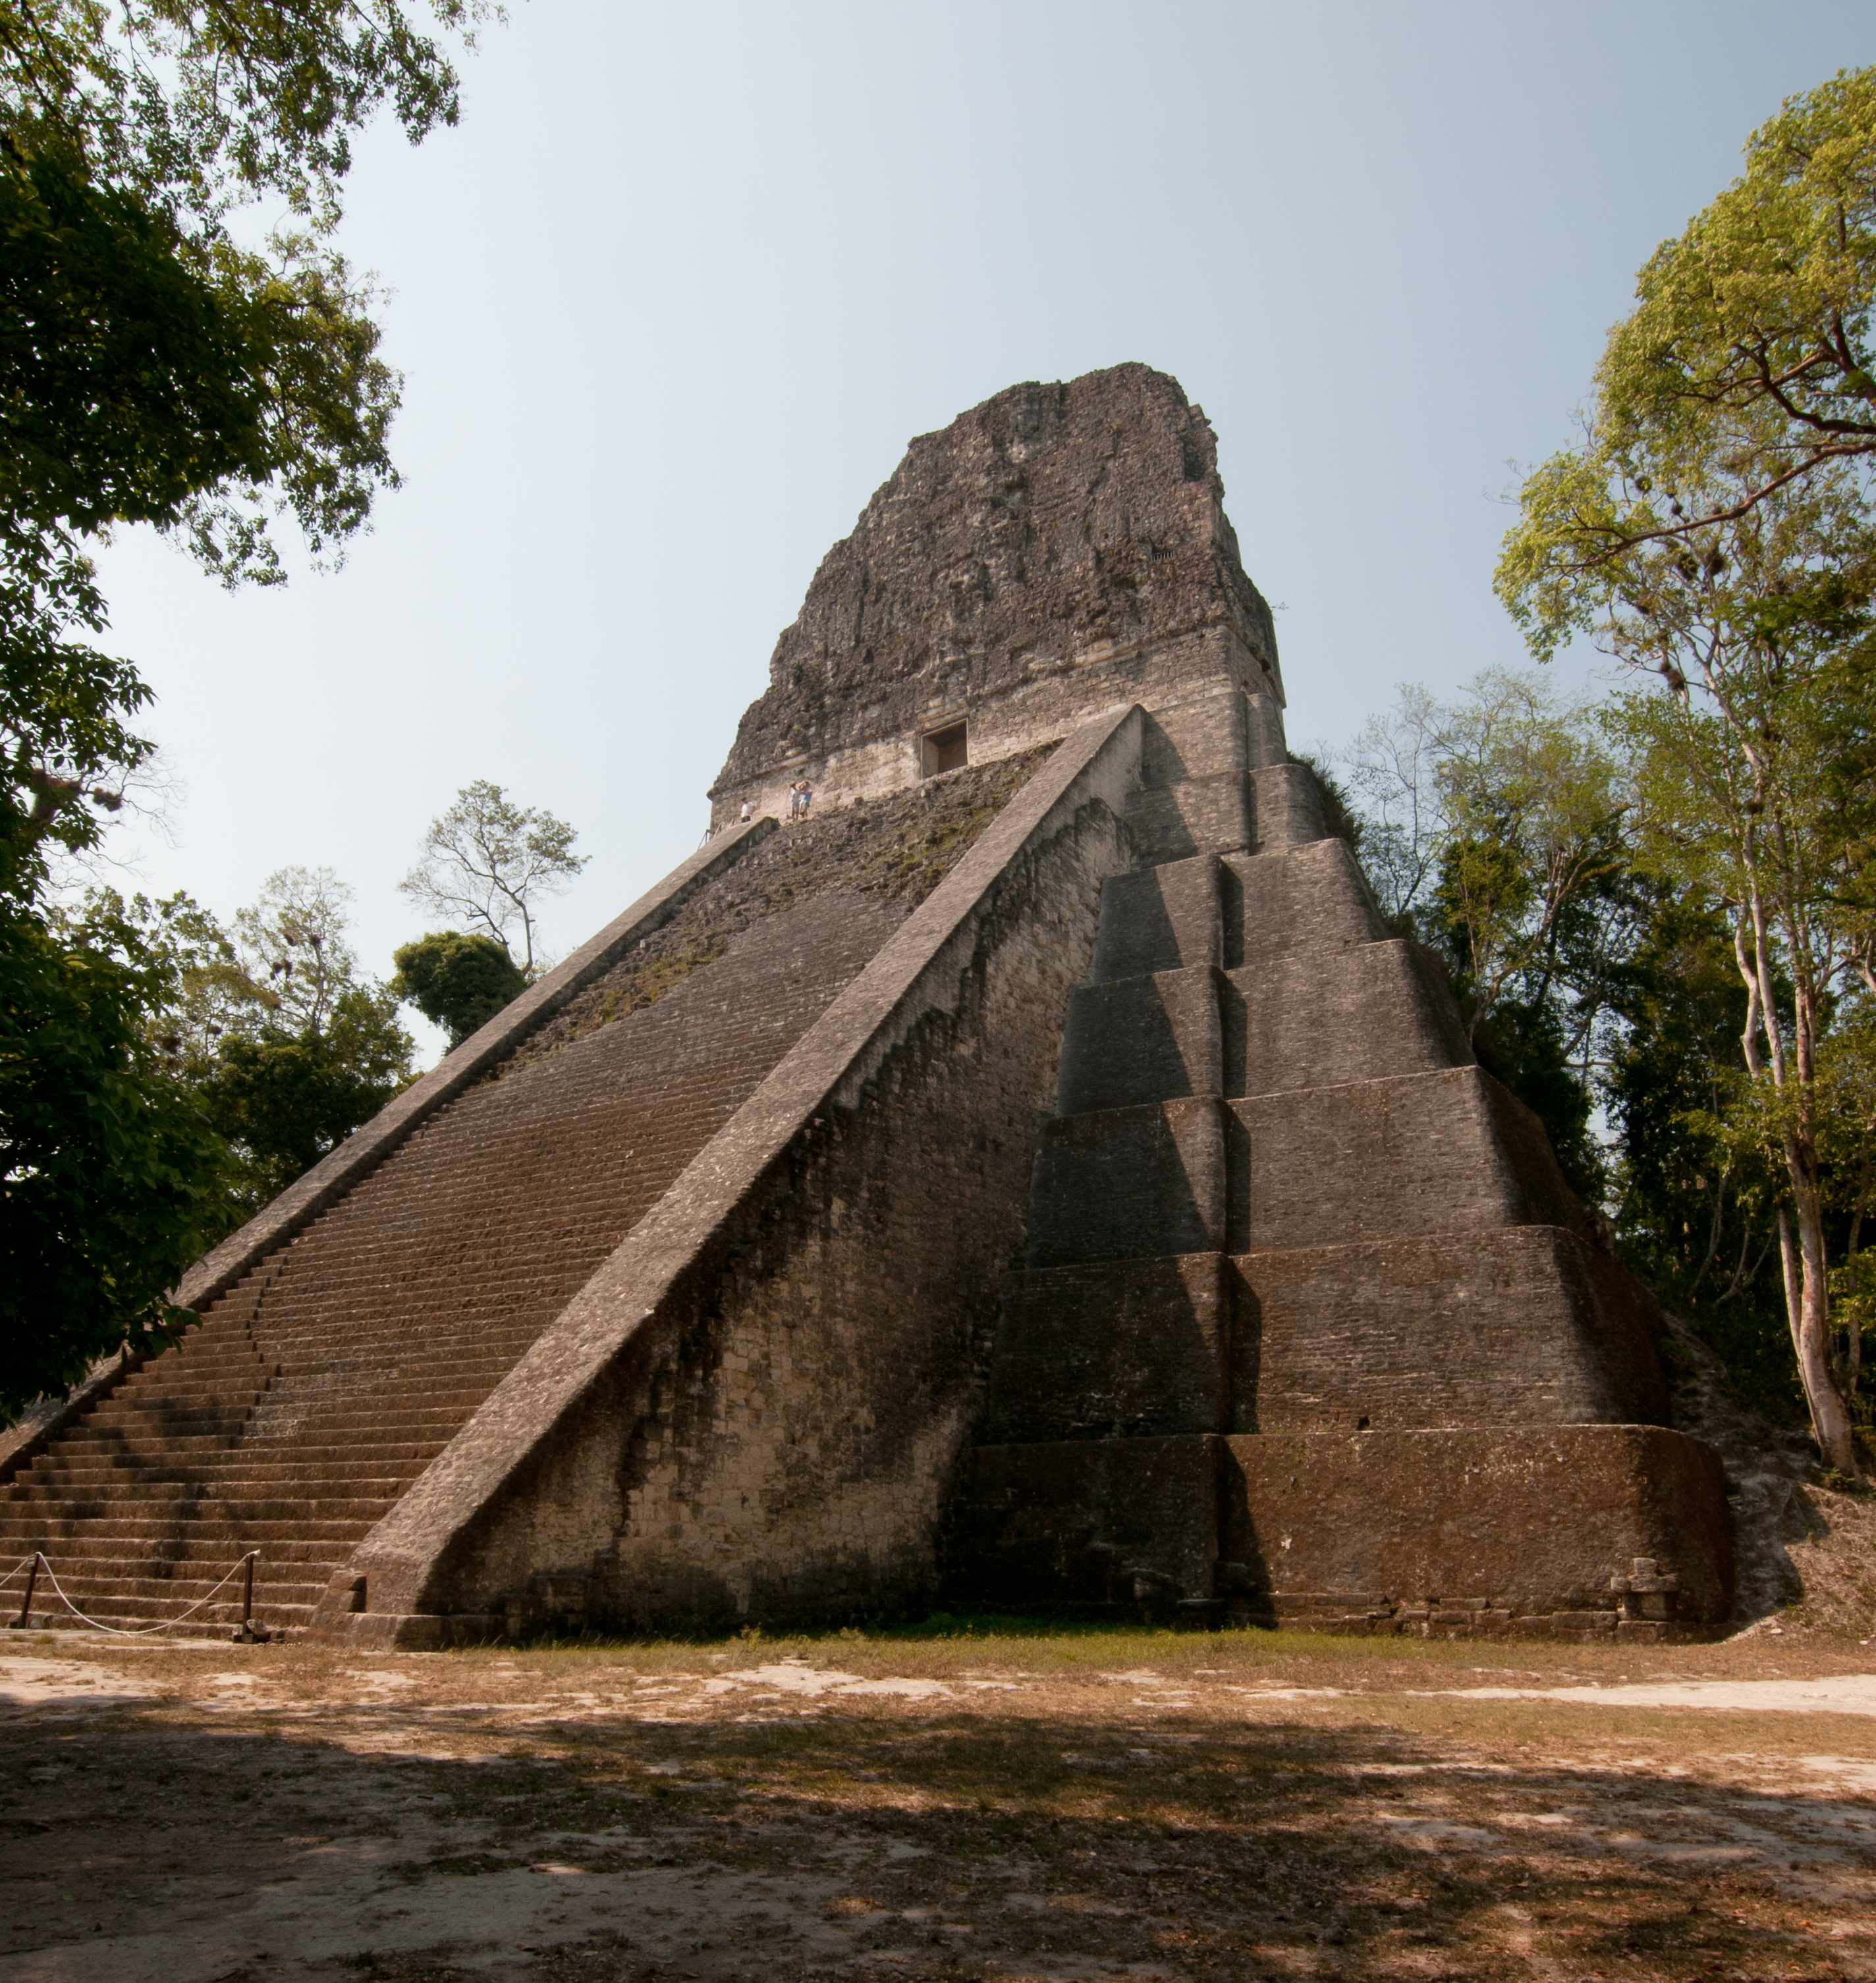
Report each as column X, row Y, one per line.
column 458, row 981
column 1393, row 772
column 290, row 1049
column 491, row 862
column 293, row 944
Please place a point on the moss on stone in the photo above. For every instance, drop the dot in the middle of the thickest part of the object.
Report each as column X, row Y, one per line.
column 897, row 849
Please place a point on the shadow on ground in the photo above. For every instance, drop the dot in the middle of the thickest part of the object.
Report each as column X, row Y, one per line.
column 398, row 1836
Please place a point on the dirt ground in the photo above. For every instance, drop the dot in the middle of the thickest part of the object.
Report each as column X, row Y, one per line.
column 1123, row 1804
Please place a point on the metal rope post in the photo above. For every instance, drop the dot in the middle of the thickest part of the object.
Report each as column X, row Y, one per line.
column 23, row 1621
column 247, row 1632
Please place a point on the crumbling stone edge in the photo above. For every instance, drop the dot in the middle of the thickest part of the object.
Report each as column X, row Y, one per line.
column 395, row 1591
column 341, row 1170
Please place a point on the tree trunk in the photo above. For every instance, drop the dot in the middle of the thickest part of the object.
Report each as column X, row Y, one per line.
column 1807, row 1311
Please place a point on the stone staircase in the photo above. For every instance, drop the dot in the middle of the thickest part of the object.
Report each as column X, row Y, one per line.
column 318, row 1388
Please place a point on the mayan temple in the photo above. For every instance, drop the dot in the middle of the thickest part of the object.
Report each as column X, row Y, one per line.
column 1038, row 1178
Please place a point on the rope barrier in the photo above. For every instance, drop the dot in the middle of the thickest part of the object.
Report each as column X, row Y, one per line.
column 37, row 1562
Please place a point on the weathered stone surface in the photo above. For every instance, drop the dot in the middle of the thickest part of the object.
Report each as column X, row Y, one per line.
column 1313, row 897
column 1123, row 1350
column 1389, row 1159
column 1057, row 550
column 1130, row 1184
column 1160, row 919
column 1309, row 1019
column 324, row 1382
column 700, row 1445
column 1525, row 1325
column 885, row 858
column 1127, row 1522
column 360, row 1154
column 1533, row 1520
column 1143, row 1040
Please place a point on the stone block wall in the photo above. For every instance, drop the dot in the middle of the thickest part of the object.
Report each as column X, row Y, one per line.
column 1525, row 1324
column 1099, row 1160
column 1480, row 1531
column 380, row 1308
column 1157, row 1359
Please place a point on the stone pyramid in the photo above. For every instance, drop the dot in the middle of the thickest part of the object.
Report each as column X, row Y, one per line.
column 1037, row 1178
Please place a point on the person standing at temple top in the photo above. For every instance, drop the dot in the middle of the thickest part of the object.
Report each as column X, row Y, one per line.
column 808, row 797
column 749, row 812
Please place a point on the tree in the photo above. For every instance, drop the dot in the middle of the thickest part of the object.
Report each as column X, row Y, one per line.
column 1394, row 772
column 293, row 940
column 290, row 1049
column 283, row 1100
column 158, row 365
column 459, row 982
column 112, row 1177
column 1533, row 817
column 1695, row 1213
column 1754, row 323
column 1755, row 757
column 491, row 861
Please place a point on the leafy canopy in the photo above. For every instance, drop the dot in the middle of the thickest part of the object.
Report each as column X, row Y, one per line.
column 1746, row 366
column 163, row 361
column 290, row 1047
column 456, row 981
column 112, row 1179
column 158, row 365
column 1714, row 532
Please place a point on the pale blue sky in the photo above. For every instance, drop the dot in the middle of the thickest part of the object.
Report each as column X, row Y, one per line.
column 673, row 298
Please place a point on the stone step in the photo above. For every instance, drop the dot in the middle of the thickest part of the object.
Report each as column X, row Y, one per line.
column 238, row 1507
column 328, row 1378
column 416, row 1419
column 1141, row 1040
column 1393, row 1158
column 1312, row 897
column 269, row 1458
column 1154, row 919
column 1123, row 1350
column 260, row 1460
column 202, row 1523
column 288, row 1619
column 149, row 1597
column 294, row 1563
